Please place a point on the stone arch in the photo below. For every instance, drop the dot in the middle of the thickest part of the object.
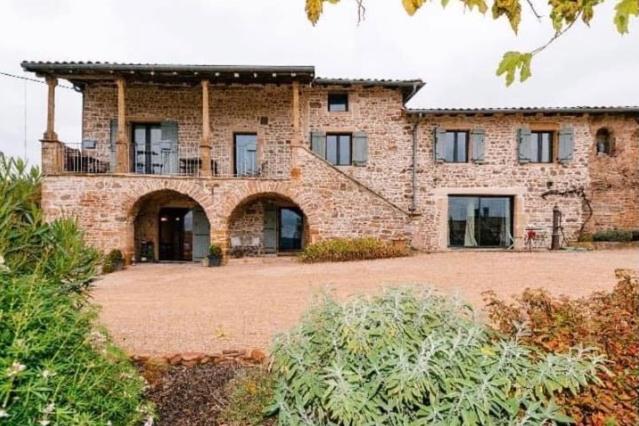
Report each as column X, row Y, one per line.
column 150, row 197
column 260, row 188
column 246, row 223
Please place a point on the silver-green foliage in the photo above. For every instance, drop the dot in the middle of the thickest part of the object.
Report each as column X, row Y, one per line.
column 404, row 358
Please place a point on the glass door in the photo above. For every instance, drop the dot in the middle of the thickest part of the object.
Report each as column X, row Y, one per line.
column 291, row 227
column 147, row 158
column 484, row 221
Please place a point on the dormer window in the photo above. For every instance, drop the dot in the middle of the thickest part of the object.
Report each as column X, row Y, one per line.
column 604, row 141
column 337, row 102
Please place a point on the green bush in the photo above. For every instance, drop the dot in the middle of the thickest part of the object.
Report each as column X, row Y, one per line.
column 619, row 235
column 215, row 250
column 402, row 358
column 55, row 366
column 112, row 261
column 249, row 393
column 344, row 249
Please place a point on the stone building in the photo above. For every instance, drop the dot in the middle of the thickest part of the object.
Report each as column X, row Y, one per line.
column 266, row 159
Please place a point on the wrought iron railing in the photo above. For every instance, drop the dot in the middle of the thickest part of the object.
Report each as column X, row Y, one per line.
column 183, row 160
column 75, row 159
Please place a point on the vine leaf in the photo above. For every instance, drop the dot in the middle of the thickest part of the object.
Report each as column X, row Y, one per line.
column 411, row 6
column 512, row 62
column 623, row 11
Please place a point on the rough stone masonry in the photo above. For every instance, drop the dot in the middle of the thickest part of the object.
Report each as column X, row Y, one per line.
column 397, row 190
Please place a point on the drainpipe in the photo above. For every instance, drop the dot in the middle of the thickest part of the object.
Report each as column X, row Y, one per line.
column 413, row 206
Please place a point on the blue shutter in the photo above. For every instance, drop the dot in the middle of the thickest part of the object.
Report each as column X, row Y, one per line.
column 113, row 138
column 438, row 145
column 270, row 228
column 477, row 141
column 360, row 149
column 201, row 234
column 524, row 145
column 566, row 144
column 169, row 147
column 318, row 143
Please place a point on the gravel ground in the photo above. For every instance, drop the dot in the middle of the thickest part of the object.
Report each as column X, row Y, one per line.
column 167, row 308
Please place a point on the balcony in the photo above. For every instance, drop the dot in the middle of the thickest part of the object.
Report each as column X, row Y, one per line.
column 183, row 160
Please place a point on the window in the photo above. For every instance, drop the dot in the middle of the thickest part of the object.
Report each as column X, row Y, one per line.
column 337, row 102
column 484, row 221
column 604, row 142
column 338, row 149
column 455, row 146
column 245, row 147
column 541, row 146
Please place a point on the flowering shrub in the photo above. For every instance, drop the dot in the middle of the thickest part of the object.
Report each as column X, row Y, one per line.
column 406, row 358
column 343, row 249
column 55, row 366
column 607, row 321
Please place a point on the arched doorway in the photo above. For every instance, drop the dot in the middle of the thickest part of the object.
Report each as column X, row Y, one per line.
column 267, row 223
column 170, row 226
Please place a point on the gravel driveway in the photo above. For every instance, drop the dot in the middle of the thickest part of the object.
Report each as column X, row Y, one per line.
column 165, row 308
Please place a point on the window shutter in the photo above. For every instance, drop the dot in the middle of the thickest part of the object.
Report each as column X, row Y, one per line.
column 360, row 149
column 477, row 138
column 524, row 145
column 169, row 147
column 113, row 138
column 566, row 144
column 318, row 143
column 438, row 145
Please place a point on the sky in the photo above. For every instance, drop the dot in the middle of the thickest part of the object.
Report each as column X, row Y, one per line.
column 455, row 51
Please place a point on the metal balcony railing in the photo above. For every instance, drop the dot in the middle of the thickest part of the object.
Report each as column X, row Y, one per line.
column 183, row 160
column 74, row 159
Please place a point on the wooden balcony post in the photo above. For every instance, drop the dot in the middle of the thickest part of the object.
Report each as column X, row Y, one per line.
column 205, row 145
column 52, row 155
column 122, row 141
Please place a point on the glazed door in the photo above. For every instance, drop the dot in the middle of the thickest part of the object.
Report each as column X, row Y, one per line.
column 291, row 228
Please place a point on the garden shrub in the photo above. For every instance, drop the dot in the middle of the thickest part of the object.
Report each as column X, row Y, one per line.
column 112, row 261
column 407, row 358
column 608, row 321
column 56, row 367
column 344, row 249
column 619, row 235
column 249, row 393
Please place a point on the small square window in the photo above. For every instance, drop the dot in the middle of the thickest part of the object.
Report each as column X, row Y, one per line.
column 337, row 102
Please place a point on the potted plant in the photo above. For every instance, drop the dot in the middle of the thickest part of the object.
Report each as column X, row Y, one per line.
column 114, row 261
column 215, row 256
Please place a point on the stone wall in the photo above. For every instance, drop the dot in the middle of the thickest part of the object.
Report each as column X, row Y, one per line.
column 106, row 206
column 263, row 110
column 378, row 112
column 348, row 201
column 614, row 186
column 500, row 174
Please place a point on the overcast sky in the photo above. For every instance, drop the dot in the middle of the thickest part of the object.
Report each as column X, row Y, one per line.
column 455, row 51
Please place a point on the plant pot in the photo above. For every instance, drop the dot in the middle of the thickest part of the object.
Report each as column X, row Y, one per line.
column 211, row 261
column 118, row 265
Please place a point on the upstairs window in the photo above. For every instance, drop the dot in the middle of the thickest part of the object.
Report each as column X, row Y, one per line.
column 455, row 146
column 338, row 149
column 337, row 102
column 541, row 146
column 604, row 141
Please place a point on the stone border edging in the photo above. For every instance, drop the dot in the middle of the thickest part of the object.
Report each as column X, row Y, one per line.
column 191, row 359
